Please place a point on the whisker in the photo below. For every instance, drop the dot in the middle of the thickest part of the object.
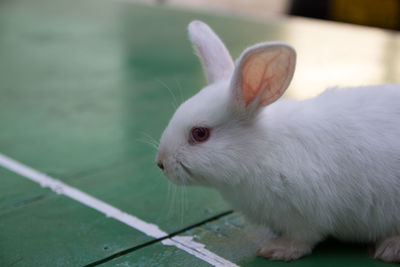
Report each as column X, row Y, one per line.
column 155, row 146
column 149, row 140
column 172, row 199
column 182, row 206
column 169, row 199
column 174, row 101
column 185, row 204
column 180, row 90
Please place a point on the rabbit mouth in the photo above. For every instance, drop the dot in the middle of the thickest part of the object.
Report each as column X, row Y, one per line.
column 186, row 169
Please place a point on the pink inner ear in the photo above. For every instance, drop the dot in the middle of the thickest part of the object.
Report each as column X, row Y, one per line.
column 264, row 75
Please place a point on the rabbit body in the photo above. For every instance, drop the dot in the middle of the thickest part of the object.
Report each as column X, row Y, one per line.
column 325, row 166
column 329, row 165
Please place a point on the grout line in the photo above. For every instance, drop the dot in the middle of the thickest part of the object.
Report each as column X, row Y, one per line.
column 213, row 218
column 185, row 243
column 25, row 201
column 129, row 250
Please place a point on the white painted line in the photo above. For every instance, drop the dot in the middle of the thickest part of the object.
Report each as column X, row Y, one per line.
column 185, row 243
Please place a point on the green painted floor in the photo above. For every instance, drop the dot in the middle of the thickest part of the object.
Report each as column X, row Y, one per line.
column 85, row 85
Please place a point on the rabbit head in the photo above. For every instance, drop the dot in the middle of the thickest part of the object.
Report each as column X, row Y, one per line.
column 214, row 137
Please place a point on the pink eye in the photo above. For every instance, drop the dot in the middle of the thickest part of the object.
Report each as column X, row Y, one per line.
column 199, row 135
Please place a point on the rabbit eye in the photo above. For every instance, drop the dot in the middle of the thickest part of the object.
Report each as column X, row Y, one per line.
column 199, row 135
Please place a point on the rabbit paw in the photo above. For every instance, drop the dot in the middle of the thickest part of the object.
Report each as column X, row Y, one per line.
column 388, row 250
column 283, row 249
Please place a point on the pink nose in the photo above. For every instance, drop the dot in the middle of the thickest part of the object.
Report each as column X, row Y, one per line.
column 160, row 165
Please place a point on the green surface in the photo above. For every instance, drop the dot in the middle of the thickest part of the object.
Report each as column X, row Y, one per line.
column 157, row 255
column 17, row 191
column 57, row 231
column 77, row 102
column 83, row 86
column 236, row 240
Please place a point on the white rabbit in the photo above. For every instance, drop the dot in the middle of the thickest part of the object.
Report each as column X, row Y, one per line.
column 326, row 166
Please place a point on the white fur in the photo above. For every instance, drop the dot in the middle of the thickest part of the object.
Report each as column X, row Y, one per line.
column 216, row 60
column 329, row 165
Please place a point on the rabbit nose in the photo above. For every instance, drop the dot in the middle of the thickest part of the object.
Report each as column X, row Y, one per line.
column 160, row 165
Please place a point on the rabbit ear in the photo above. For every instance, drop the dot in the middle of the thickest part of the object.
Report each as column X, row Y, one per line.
column 215, row 58
column 262, row 74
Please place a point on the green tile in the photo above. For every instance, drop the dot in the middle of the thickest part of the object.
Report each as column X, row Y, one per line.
column 61, row 95
column 80, row 92
column 16, row 191
column 77, row 99
column 58, row 231
column 32, row 217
